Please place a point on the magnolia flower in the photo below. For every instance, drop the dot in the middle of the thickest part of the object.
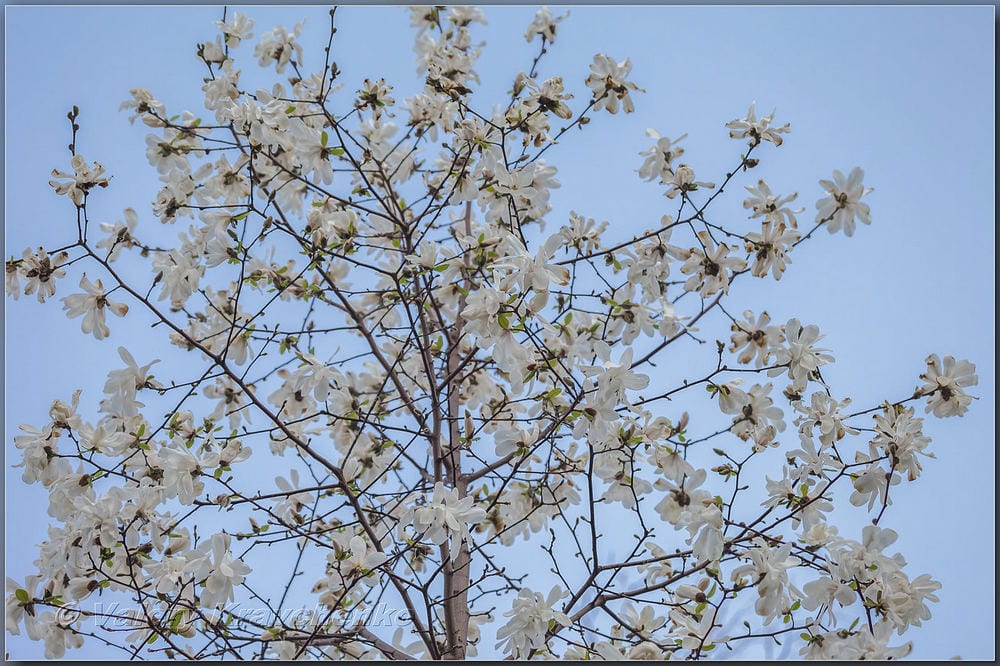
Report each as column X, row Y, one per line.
column 39, row 460
column 144, row 103
column 119, row 234
column 76, row 185
column 613, row 379
column 811, row 460
column 770, row 247
column 643, row 622
column 279, row 46
column 874, row 646
column 710, row 269
column 226, row 573
column 40, row 272
column 292, row 502
column 537, row 274
column 823, row 412
column 57, row 636
column 237, row 28
column 768, row 569
column 544, row 25
column 511, row 439
column 693, row 630
column 360, row 561
column 757, row 130
column 755, row 339
column 900, row 435
column 659, row 159
column 182, row 471
column 842, row 645
column 682, row 180
column 945, row 385
column 823, row 592
column 904, row 600
column 800, row 357
column 607, row 81
column 179, row 272
column 843, row 206
column 104, row 438
column 17, row 605
column 756, row 416
column 91, row 304
column 530, row 617
column 872, row 485
column 375, row 95
column 446, row 517
column 764, row 202
column 583, row 233
column 122, row 385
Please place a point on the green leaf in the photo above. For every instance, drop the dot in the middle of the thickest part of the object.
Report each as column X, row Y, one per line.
column 22, row 596
column 323, row 138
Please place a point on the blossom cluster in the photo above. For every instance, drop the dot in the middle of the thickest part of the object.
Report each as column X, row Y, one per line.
column 440, row 371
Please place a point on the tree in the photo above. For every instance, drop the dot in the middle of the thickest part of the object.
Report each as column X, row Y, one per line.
column 454, row 385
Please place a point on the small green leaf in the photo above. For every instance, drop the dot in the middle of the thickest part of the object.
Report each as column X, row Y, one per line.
column 22, row 596
column 323, row 138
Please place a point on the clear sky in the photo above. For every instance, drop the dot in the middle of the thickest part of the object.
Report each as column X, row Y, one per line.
column 907, row 93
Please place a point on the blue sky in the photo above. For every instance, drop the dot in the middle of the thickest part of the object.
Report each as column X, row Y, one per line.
column 904, row 92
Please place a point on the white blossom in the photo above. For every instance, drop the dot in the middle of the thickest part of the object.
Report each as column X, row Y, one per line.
column 530, row 615
column 946, row 383
column 446, row 517
column 843, row 205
